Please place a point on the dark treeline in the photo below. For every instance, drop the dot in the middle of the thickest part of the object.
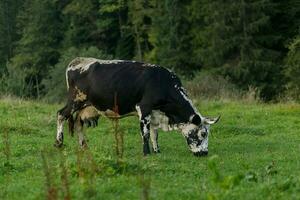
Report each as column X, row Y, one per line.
column 249, row 42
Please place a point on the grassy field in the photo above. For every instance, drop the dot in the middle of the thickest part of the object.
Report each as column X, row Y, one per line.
column 254, row 153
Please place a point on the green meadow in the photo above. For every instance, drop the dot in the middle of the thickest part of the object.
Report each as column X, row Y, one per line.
column 254, row 153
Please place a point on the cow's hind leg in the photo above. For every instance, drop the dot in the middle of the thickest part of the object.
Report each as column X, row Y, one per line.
column 80, row 133
column 62, row 115
column 89, row 116
column 154, row 137
column 145, row 118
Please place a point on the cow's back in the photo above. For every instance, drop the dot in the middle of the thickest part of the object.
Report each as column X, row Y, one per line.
column 120, row 82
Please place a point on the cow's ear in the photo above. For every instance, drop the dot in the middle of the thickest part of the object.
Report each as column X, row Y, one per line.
column 211, row 120
column 195, row 119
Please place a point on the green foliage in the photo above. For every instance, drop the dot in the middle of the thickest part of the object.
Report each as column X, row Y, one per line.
column 14, row 82
column 223, row 183
column 55, row 90
column 292, row 69
column 8, row 31
column 208, row 85
column 236, row 37
column 37, row 49
column 170, row 35
column 139, row 24
column 81, row 29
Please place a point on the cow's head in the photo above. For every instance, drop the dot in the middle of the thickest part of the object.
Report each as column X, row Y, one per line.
column 196, row 133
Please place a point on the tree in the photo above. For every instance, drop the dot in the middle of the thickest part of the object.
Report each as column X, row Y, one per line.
column 38, row 47
column 139, row 23
column 113, row 26
column 292, row 69
column 80, row 18
column 238, row 40
column 8, row 34
column 170, row 35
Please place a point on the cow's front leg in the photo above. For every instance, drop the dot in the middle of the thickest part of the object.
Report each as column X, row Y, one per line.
column 145, row 119
column 145, row 133
column 154, row 137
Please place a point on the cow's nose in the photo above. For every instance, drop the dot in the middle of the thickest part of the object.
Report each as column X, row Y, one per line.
column 201, row 153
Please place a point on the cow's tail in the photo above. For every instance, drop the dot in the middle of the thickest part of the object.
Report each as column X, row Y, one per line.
column 71, row 125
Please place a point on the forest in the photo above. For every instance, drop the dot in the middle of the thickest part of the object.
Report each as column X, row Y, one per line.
column 248, row 43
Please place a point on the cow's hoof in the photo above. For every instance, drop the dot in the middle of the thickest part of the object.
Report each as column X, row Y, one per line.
column 146, row 153
column 83, row 145
column 156, row 151
column 58, row 144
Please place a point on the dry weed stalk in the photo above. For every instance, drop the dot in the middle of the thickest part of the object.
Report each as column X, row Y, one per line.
column 87, row 169
column 145, row 184
column 118, row 134
column 52, row 193
column 64, row 178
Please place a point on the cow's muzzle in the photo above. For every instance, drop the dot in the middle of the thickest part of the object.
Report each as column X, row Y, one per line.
column 201, row 153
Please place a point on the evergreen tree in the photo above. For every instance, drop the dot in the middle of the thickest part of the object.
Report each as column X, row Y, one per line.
column 38, row 48
column 80, row 17
column 8, row 33
column 292, row 69
column 112, row 24
column 170, row 35
column 238, row 39
column 139, row 23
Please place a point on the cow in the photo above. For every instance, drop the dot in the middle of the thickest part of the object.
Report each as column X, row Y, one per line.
column 153, row 93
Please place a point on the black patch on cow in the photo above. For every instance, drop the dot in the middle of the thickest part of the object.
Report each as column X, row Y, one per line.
column 196, row 120
column 193, row 138
column 71, row 125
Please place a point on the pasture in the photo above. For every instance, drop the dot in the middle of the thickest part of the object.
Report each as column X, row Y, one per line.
column 254, row 153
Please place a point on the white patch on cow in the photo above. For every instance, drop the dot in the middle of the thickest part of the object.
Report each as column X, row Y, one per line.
column 204, row 145
column 160, row 121
column 194, row 148
column 146, row 122
column 149, row 65
column 60, row 127
column 138, row 109
column 187, row 128
column 83, row 64
column 67, row 79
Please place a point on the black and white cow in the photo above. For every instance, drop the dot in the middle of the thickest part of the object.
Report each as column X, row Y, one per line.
column 153, row 92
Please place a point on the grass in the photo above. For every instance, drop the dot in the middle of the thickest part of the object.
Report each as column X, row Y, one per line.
column 253, row 154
